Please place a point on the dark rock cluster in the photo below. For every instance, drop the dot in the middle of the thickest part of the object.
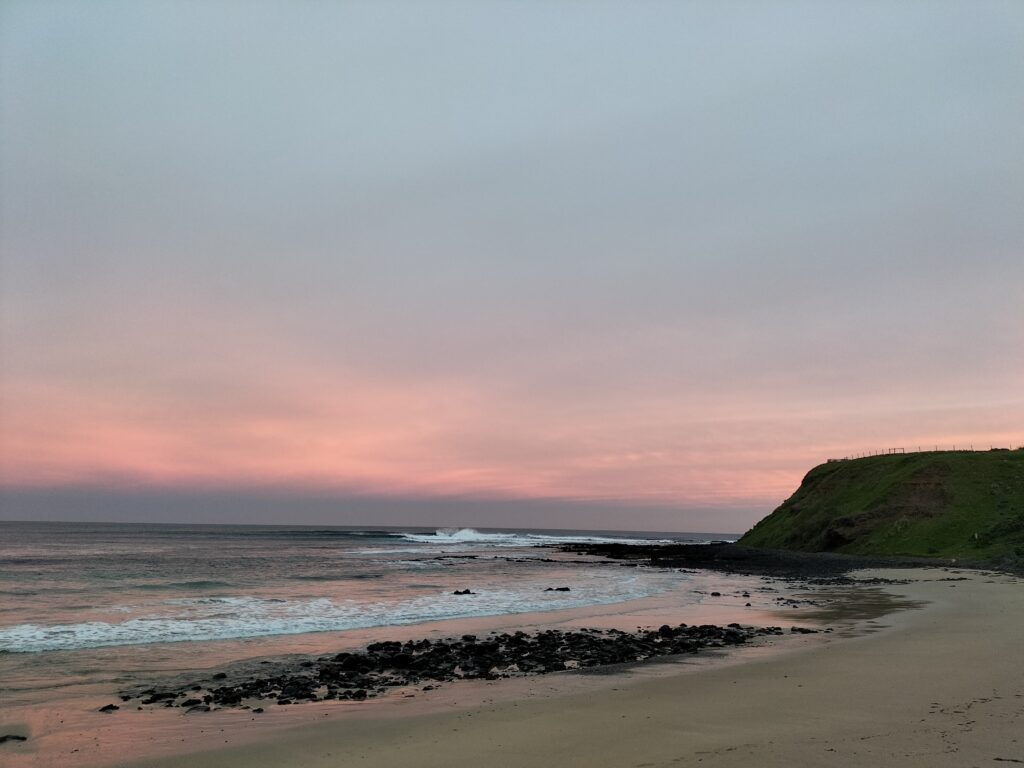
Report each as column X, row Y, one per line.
column 364, row 674
column 821, row 567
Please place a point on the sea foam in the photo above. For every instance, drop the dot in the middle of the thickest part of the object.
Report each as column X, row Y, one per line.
column 448, row 536
column 235, row 617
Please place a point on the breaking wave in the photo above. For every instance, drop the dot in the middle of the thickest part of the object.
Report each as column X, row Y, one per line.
column 448, row 536
column 226, row 618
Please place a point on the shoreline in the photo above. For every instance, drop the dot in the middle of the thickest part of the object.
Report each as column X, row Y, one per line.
column 69, row 731
column 852, row 608
column 734, row 558
column 938, row 686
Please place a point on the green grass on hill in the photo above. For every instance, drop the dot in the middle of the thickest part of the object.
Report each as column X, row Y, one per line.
column 965, row 505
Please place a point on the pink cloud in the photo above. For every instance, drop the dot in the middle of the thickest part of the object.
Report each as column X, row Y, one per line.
column 438, row 437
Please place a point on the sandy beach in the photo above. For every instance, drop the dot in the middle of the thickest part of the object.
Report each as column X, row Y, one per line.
column 938, row 684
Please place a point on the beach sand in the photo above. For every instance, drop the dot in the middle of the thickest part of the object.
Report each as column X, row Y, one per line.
column 941, row 684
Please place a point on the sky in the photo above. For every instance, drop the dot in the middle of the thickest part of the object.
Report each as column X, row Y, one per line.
column 617, row 265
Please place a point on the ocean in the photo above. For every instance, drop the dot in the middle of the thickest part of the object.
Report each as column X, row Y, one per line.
column 85, row 605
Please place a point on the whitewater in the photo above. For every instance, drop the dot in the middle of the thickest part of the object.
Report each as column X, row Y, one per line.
column 90, row 606
column 66, row 587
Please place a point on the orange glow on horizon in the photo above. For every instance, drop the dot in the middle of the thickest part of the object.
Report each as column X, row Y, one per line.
column 439, row 440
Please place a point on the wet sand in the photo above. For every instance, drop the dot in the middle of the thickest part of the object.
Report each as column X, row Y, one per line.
column 939, row 686
column 934, row 685
column 65, row 729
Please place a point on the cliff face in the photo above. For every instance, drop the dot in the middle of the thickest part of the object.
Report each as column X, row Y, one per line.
column 944, row 504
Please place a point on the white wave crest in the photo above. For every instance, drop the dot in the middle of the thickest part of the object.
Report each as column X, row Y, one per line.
column 471, row 536
column 197, row 620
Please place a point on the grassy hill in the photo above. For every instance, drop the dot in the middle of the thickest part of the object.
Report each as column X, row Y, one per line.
column 965, row 505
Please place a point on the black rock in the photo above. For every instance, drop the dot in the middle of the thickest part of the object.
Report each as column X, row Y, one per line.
column 463, row 592
column 220, row 676
column 352, row 662
column 557, row 589
column 258, row 711
column 109, row 708
column 387, row 647
column 160, row 696
column 363, row 674
column 12, row 737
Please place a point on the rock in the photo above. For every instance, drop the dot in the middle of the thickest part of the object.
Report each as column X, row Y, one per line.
column 12, row 737
column 463, row 592
column 220, row 676
column 109, row 708
column 159, row 696
column 228, row 697
column 400, row 661
column 386, row 647
column 258, row 711
column 716, row 594
column 360, row 675
column 557, row 589
column 353, row 663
